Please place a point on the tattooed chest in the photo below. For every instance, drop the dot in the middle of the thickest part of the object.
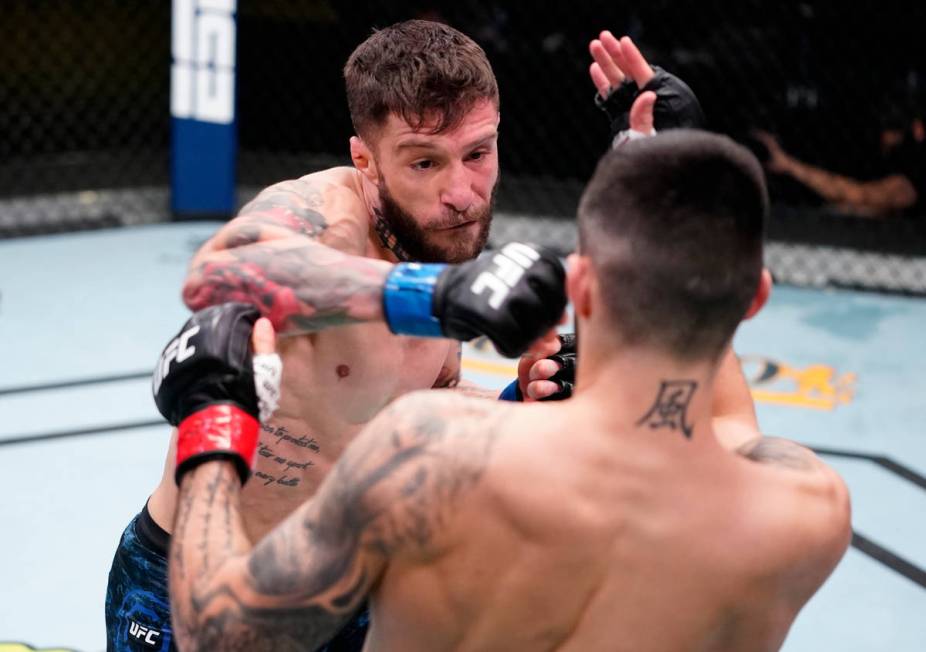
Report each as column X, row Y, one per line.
column 286, row 458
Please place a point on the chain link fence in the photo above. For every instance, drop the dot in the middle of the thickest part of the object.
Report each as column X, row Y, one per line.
column 84, row 108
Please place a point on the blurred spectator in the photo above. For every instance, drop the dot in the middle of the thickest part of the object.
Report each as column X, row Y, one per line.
column 901, row 188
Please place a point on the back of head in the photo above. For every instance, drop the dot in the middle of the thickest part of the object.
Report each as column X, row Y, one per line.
column 419, row 70
column 673, row 226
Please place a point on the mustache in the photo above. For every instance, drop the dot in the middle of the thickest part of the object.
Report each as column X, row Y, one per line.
column 457, row 219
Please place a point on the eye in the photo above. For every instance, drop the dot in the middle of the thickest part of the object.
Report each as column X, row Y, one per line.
column 423, row 165
column 477, row 156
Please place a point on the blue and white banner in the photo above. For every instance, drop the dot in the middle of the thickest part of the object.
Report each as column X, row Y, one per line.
column 202, row 106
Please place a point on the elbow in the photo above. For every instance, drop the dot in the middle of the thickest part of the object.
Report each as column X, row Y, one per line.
column 195, row 292
column 841, row 511
column 213, row 282
column 907, row 197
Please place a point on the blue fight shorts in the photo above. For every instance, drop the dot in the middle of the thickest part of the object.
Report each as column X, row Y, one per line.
column 137, row 602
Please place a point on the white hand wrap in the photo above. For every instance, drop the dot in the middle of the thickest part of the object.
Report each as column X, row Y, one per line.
column 268, row 370
column 629, row 134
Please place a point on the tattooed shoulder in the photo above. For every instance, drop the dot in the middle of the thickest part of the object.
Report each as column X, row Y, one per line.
column 297, row 205
column 778, row 452
column 413, row 465
column 392, row 491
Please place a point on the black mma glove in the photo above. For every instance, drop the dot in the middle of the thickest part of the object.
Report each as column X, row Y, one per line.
column 566, row 376
column 676, row 104
column 204, row 385
column 512, row 296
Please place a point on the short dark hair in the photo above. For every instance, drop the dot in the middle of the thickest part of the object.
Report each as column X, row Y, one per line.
column 418, row 70
column 673, row 226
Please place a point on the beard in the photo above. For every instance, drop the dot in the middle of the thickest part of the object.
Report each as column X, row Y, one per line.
column 402, row 233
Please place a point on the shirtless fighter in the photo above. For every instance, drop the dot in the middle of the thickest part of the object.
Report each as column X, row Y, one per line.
column 617, row 520
column 320, row 251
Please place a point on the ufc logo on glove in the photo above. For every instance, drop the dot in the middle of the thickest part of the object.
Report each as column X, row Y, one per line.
column 178, row 350
column 511, row 263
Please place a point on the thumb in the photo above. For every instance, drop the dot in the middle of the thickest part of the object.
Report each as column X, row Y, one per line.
column 263, row 338
column 641, row 113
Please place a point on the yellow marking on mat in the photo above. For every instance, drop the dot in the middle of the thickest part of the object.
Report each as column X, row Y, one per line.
column 794, row 400
column 485, row 366
column 816, row 386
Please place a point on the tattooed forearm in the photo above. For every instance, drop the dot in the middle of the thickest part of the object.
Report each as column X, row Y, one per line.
column 778, row 452
column 212, row 608
column 301, row 287
column 394, row 487
column 208, row 532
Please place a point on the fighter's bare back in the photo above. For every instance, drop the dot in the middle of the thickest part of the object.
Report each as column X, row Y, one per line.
column 548, row 528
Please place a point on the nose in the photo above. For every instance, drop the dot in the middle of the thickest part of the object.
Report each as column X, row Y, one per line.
column 457, row 192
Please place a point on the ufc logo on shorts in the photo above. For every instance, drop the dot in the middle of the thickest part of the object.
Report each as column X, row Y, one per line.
column 144, row 634
column 510, row 264
column 202, row 77
column 178, row 350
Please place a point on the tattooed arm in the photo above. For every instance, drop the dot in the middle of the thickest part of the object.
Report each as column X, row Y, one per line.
column 776, row 451
column 392, row 492
column 815, row 511
column 295, row 251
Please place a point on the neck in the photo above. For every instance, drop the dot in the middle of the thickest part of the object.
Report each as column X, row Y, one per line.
column 645, row 392
column 379, row 229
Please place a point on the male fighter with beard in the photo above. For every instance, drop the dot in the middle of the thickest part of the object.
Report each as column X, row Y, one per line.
column 619, row 520
column 322, row 251
column 329, row 249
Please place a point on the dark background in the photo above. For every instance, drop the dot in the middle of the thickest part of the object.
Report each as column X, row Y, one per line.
column 84, row 90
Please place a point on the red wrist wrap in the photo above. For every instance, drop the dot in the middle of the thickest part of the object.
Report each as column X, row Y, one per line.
column 218, row 428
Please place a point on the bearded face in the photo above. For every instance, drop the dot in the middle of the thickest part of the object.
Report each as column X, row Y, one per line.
column 451, row 237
